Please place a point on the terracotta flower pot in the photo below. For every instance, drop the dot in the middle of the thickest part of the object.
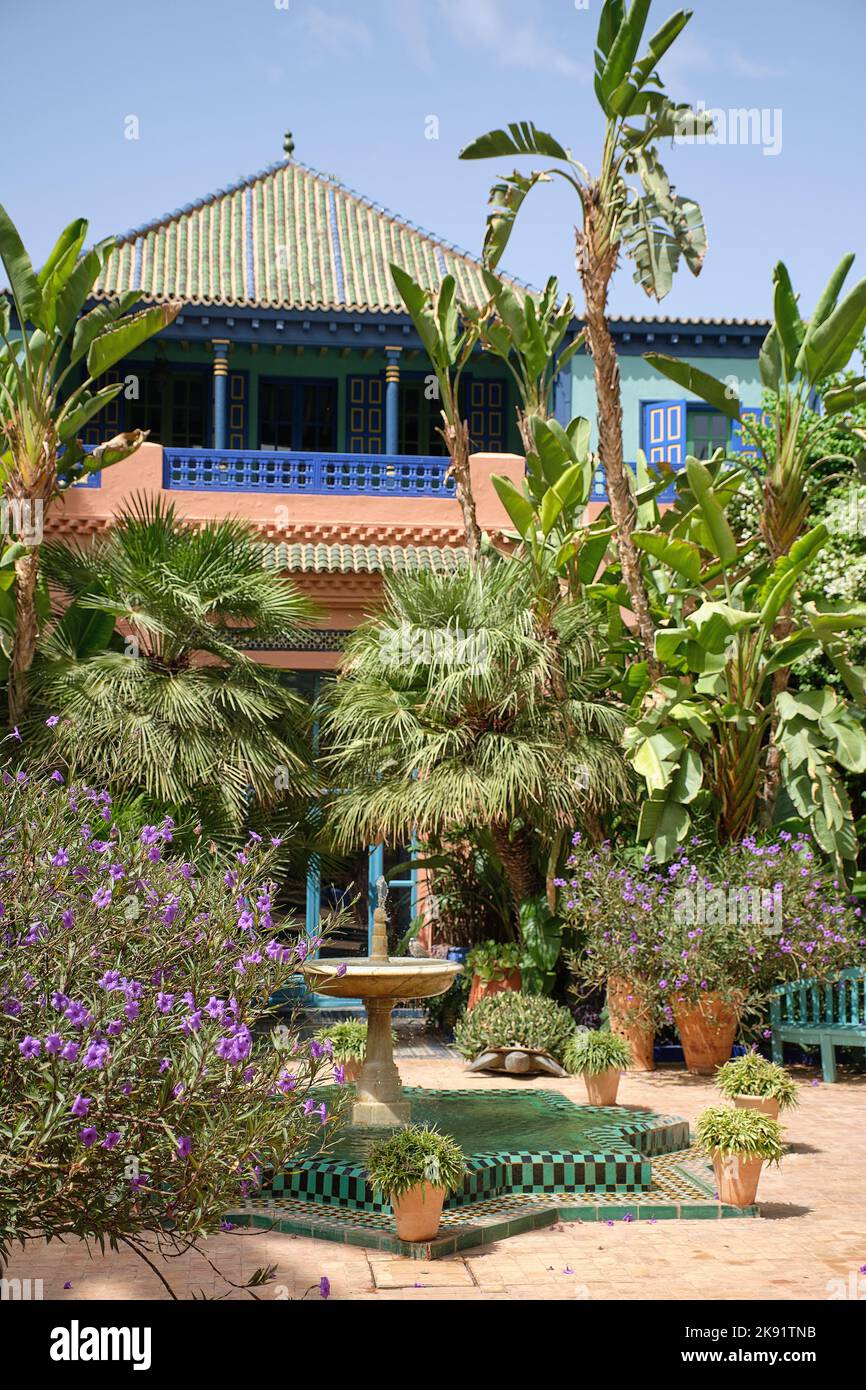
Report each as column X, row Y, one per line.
column 601, row 1088
column 768, row 1105
column 630, row 1018
column 352, row 1070
column 707, row 1029
column 419, row 1211
column 482, row 989
column 737, row 1178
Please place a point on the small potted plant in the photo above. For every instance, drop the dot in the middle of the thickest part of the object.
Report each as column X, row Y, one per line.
column 739, row 1142
column 348, row 1039
column 754, row 1083
column 494, row 967
column 416, row 1167
column 600, row 1058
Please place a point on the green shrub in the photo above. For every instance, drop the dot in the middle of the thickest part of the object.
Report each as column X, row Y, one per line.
column 753, row 1075
column 515, row 1020
column 413, row 1155
column 590, row 1054
column 723, row 1129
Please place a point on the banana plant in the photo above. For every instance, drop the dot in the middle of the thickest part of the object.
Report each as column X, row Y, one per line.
column 449, row 334
column 800, row 360
column 50, row 364
column 527, row 333
column 547, row 510
column 707, row 729
column 628, row 206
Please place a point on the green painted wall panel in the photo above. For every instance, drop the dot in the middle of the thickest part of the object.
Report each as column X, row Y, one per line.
column 641, row 383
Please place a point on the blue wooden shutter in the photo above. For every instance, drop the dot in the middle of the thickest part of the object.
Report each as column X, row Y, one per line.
column 486, row 412
column 740, row 443
column 664, row 437
column 238, row 422
column 365, row 432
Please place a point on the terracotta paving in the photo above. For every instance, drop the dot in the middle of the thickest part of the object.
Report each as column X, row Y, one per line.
column 809, row 1243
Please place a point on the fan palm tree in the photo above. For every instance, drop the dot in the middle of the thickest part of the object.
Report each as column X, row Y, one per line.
column 145, row 670
column 454, row 709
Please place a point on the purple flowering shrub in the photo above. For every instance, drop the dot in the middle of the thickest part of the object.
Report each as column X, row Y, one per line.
column 735, row 921
column 143, row 1088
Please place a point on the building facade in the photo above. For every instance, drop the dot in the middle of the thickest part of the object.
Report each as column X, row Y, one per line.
column 292, row 390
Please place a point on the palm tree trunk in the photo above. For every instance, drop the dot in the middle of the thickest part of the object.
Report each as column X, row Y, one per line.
column 24, row 642
column 595, row 274
column 516, row 859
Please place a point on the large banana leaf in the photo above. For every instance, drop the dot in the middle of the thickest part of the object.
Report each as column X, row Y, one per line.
column 707, row 388
column 523, row 137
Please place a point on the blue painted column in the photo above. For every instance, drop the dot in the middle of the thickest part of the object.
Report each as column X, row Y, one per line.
column 220, row 392
column 392, row 400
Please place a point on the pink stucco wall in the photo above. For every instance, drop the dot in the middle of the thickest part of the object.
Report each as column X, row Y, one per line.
column 332, row 519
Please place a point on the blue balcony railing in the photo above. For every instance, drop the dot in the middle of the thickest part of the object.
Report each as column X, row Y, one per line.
column 261, row 470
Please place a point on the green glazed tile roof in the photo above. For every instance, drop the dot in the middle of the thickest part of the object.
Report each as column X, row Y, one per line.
column 286, row 238
column 362, row 559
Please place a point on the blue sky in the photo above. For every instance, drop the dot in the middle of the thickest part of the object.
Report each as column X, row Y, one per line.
column 215, row 83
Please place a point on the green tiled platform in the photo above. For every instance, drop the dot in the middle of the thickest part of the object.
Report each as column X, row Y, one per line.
column 682, row 1188
column 515, row 1143
column 533, row 1158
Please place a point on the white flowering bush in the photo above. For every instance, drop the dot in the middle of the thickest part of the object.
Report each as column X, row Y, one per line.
column 143, row 1089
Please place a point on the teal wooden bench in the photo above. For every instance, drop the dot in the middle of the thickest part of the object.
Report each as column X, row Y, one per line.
column 831, row 1016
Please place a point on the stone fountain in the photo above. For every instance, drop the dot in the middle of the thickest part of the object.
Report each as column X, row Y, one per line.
column 380, row 981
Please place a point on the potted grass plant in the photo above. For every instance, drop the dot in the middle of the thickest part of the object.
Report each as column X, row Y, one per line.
column 739, row 1142
column 348, row 1039
column 416, row 1167
column 754, row 1083
column 600, row 1058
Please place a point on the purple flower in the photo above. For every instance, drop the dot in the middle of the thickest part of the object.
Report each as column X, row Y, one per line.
column 164, row 1002
column 96, row 1056
column 88, row 1137
column 340, row 1074
column 30, row 1048
column 102, row 897
column 324, row 1287
column 60, row 859
column 184, row 1146
column 70, row 1052
column 53, row 1043
column 68, row 1284
column 80, row 1106
column 52, row 720
column 111, row 1138
column 68, row 918
column 76, row 1013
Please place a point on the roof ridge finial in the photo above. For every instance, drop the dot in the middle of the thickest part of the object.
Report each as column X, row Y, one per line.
column 288, row 145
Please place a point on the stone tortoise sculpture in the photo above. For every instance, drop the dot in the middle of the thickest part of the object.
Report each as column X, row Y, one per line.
column 518, row 1061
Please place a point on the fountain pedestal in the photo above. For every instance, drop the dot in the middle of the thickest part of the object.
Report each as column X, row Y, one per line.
column 380, row 1091
column 381, row 981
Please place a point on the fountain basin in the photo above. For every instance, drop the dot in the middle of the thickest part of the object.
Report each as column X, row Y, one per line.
column 380, row 980
column 397, row 977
